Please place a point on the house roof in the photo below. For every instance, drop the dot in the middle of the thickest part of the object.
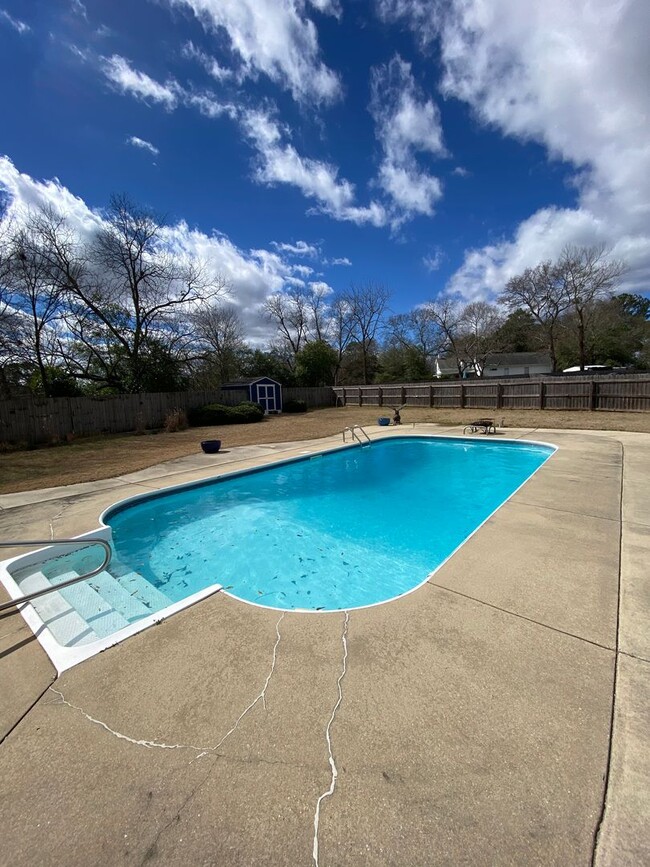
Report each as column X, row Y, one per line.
column 515, row 359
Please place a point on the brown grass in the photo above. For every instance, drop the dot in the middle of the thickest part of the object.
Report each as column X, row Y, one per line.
column 92, row 458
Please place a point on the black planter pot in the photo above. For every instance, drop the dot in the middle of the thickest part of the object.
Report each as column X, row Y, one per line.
column 211, row 447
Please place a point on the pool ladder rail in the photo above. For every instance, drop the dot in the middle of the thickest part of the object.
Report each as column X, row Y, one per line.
column 79, row 543
column 352, row 429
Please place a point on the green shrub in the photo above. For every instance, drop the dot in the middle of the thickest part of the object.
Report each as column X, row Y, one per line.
column 294, row 406
column 216, row 413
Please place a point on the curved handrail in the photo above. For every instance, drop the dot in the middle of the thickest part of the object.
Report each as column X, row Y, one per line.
column 79, row 542
column 353, row 428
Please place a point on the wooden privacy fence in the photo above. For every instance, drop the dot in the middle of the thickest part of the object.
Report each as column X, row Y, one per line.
column 33, row 419
column 45, row 419
column 612, row 393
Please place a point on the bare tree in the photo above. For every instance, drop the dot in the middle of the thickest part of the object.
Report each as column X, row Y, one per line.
column 446, row 314
column 340, row 331
column 32, row 305
column 129, row 295
column 220, row 335
column 290, row 312
column 479, row 324
column 367, row 306
column 419, row 332
column 539, row 291
column 586, row 275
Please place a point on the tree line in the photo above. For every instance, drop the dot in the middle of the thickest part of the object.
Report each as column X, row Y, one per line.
column 116, row 308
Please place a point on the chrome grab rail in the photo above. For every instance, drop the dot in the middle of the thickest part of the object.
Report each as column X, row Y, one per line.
column 79, row 542
column 352, row 429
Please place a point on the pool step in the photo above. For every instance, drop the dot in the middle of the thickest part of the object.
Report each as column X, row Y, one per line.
column 130, row 594
column 65, row 623
column 152, row 598
column 95, row 610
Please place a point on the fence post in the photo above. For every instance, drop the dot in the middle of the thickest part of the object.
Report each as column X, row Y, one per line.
column 499, row 395
column 381, row 396
column 542, row 393
column 402, row 395
column 462, row 396
column 593, row 396
column 360, row 396
column 430, row 396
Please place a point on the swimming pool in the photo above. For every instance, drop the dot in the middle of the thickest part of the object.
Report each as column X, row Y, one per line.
column 344, row 529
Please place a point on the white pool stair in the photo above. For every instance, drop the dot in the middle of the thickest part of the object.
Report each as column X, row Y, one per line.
column 95, row 608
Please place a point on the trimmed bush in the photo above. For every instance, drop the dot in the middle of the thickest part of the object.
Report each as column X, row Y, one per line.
column 217, row 413
column 294, row 406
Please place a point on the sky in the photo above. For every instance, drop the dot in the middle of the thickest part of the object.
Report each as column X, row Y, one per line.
column 429, row 146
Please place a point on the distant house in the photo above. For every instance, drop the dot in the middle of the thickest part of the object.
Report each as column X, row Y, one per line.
column 445, row 366
column 261, row 389
column 497, row 364
column 517, row 364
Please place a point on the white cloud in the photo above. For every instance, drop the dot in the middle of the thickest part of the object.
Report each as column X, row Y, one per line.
column 303, row 270
column 79, row 9
column 212, row 67
column 572, row 77
column 119, row 71
column 321, row 288
column 328, row 7
column 24, row 193
column 18, row 25
column 461, row 172
column 300, row 248
column 406, row 123
column 142, row 144
column 342, row 261
column 433, row 261
column 273, row 37
column 280, row 163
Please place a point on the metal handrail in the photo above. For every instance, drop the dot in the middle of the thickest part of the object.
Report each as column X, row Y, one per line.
column 79, row 542
column 352, row 429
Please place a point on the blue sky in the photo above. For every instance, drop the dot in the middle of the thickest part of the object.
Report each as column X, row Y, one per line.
column 425, row 145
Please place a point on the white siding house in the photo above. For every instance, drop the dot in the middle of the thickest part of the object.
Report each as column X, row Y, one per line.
column 517, row 364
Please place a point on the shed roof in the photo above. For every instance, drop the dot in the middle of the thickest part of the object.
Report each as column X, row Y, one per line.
column 244, row 383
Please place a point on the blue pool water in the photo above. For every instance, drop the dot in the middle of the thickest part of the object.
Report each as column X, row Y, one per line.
column 341, row 530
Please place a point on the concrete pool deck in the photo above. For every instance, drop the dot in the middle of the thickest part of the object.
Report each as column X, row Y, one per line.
column 475, row 716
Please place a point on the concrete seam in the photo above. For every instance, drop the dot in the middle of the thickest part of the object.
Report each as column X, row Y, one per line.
column 521, row 616
column 601, row 818
column 23, row 715
column 566, row 511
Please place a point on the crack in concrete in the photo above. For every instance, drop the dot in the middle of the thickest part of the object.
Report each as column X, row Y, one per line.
column 330, row 791
column 200, row 750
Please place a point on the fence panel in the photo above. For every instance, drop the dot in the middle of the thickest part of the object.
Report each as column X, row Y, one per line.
column 627, row 395
column 313, row 396
column 567, row 394
column 522, row 395
column 447, row 395
column 480, row 395
column 417, row 395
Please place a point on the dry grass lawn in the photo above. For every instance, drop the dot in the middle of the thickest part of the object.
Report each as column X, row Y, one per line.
column 93, row 458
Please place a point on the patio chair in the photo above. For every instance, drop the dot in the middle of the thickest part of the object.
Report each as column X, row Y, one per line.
column 481, row 424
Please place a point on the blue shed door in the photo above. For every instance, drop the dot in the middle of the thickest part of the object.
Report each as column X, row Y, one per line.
column 266, row 397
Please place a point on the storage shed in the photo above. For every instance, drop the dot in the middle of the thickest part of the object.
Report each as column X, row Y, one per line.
column 261, row 389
